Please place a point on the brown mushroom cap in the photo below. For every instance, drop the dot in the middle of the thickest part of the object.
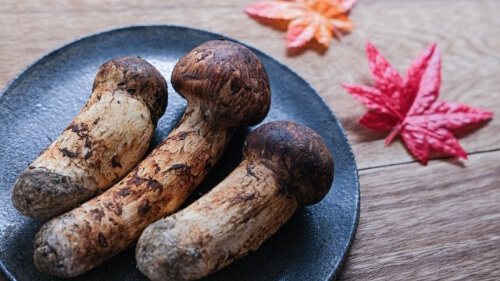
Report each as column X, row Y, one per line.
column 297, row 154
column 227, row 80
column 138, row 78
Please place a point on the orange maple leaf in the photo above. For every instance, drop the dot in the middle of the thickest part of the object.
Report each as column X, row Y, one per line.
column 307, row 19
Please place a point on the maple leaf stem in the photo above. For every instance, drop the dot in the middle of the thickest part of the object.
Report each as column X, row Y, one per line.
column 393, row 134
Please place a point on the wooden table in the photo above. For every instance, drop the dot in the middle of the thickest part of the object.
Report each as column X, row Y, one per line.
column 440, row 221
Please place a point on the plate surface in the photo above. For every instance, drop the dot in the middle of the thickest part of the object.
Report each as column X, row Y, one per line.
column 38, row 104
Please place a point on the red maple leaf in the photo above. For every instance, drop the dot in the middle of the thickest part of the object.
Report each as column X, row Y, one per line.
column 307, row 19
column 409, row 106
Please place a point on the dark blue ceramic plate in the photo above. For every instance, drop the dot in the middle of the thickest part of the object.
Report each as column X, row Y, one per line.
column 38, row 104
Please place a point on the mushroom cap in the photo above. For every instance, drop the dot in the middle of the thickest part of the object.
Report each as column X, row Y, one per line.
column 135, row 77
column 226, row 80
column 297, row 154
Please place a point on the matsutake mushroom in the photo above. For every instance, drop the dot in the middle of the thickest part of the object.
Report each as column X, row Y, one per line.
column 285, row 166
column 107, row 138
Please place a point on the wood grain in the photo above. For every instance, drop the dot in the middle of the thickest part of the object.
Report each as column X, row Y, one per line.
column 412, row 229
column 439, row 221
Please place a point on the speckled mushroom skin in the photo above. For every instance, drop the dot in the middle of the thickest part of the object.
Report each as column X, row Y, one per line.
column 285, row 166
column 226, row 86
column 108, row 137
